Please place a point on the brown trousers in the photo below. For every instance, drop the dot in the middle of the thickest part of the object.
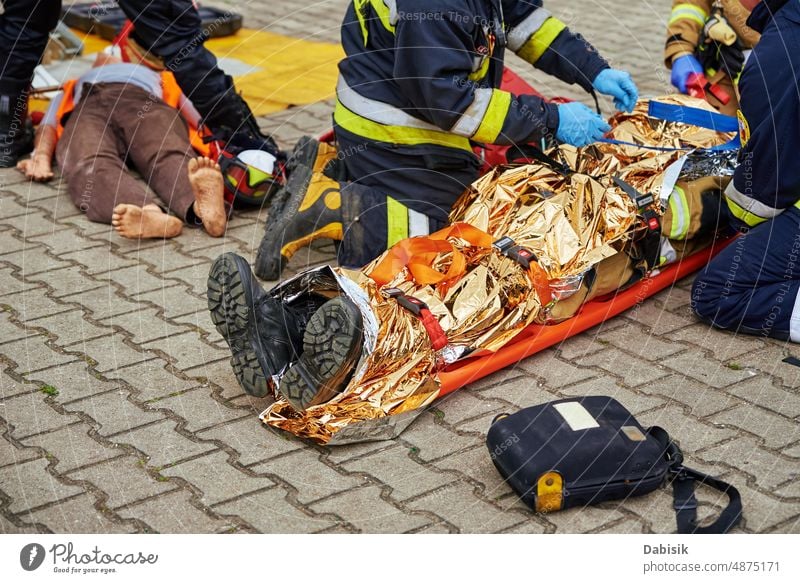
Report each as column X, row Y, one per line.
column 116, row 125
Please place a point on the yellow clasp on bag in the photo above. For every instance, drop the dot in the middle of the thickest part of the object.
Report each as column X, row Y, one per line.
column 549, row 492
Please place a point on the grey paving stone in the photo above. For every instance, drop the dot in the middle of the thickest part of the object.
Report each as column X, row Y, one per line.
column 269, row 512
column 144, row 325
column 161, row 443
column 368, row 512
column 13, row 285
column 113, row 412
column 35, row 303
column 700, row 399
column 313, row 480
column 634, row 402
column 34, row 259
column 199, row 409
column 253, row 441
column 554, row 372
column 761, row 391
column 124, row 480
column 111, row 353
column 30, row 414
column 10, row 331
column 69, row 327
column 72, row 448
column 10, row 454
column 396, row 469
column 101, row 262
column 705, row 370
column 632, row 370
column 66, row 241
column 77, row 515
column 10, row 386
column 776, row 431
column 768, row 469
column 173, row 513
column 461, row 405
column 187, row 350
column 216, row 479
column 152, row 379
column 458, row 505
column 102, row 302
column 134, row 279
column 32, row 354
column 29, row 485
column 430, row 439
column 173, row 301
column 73, row 381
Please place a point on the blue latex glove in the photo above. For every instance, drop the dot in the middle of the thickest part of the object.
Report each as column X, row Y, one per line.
column 682, row 67
column 620, row 86
column 578, row 125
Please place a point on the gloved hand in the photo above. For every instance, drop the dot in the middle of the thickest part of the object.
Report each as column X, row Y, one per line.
column 620, row 86
column 578, row 125
column 682, row 67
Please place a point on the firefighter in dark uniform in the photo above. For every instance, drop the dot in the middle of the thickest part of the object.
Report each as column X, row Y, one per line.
column 752, row 285
column 169, row 29
column 419, row 84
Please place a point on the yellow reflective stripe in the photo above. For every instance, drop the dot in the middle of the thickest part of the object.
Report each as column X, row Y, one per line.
column 360, row 7
column 396, row 220
column 361, row 126
column 680, row 214
column 688, row 12
column 541, row 40
column 744, row 215
column 494, row 118
column 481, row 71
column 384, row 13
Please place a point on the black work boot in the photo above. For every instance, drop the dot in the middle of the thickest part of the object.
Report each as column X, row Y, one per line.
column 263, row 333
column 332, row 345
column 16, row 131
column 306, row 209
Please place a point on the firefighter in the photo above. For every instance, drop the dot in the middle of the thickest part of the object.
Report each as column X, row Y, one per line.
column 709, row 38
column 752, row 285
column 168, row 29
column 419, row 84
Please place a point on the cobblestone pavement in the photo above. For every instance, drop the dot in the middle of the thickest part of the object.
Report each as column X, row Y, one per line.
column 119, row 412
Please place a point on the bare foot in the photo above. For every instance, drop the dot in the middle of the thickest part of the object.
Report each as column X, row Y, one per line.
column 147, row 222
column 205, row 177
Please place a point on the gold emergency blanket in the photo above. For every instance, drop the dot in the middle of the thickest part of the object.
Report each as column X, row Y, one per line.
column 570, row 222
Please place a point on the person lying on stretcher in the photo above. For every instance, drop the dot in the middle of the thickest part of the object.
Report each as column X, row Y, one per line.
column 528, row 244
column 124, row 114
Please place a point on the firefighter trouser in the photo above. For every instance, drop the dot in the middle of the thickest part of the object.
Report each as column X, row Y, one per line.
column 24, row 30
column 115, row 123
column 752, row 285
column 171, row 29
column 394, row 192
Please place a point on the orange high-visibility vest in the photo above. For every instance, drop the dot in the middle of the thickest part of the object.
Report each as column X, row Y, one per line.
column 171, row 95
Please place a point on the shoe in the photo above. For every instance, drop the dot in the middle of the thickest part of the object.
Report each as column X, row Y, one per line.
column 306, row 209
column 16, row 130
column 331, row 348
column 263, row 333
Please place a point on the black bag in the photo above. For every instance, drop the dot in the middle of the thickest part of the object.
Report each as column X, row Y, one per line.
column 580, row 451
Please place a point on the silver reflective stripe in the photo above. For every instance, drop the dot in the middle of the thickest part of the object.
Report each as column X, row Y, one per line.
column 794, row 321
column 417, row 224
column 394, row 18
column 520, row 34
column 471, row 119
column 378, row 111
column 751, row 205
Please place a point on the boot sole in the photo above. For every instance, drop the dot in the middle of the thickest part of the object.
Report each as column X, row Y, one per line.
column 269, row 261
column 331, row 347
column 230, row 302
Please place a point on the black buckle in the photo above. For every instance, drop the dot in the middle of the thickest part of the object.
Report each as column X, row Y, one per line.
column 521, row 255
column 410, row 303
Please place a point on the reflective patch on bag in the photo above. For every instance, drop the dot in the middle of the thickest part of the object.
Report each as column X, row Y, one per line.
column 633, row 433
column 576, row 415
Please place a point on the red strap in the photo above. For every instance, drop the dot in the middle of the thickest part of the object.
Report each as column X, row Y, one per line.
column 434, row 330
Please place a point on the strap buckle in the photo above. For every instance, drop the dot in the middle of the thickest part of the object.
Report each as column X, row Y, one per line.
column 506, row 246
column 420, row 309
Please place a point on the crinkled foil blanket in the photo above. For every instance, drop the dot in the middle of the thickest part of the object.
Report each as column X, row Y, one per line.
column 570, row 222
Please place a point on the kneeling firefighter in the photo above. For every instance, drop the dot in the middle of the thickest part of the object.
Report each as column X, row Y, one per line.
column 419, row 84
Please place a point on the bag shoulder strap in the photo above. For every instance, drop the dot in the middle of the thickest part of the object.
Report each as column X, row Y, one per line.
column 684, row 500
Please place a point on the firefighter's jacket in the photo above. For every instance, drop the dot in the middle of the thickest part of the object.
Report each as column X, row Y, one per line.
column 429, row 71
column 767, row 180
